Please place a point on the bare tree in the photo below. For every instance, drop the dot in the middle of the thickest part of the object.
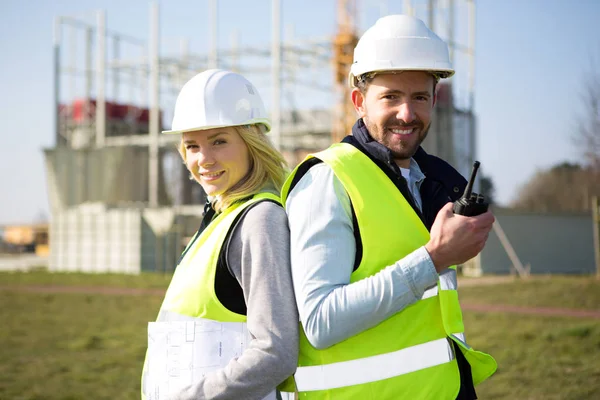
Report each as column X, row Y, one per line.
column 587, row 136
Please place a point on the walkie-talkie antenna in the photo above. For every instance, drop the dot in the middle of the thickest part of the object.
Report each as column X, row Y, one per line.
column 470, row 204
column 469, row 188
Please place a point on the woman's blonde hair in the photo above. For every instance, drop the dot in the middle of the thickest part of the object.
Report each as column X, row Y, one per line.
column 267, row 167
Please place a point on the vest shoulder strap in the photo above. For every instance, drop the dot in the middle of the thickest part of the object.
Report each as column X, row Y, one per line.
column 227, row 288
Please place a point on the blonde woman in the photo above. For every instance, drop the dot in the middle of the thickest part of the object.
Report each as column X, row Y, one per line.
column 228, row 326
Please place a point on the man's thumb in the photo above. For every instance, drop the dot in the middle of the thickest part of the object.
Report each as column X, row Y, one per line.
column 447, row 209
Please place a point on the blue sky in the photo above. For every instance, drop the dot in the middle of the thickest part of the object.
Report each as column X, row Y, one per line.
column 532, row 59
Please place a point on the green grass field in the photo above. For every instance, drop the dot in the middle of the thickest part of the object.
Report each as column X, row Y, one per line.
column 91, row 346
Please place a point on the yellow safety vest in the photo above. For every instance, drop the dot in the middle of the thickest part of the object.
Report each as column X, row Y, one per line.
column 191, row 305
column 409, row 355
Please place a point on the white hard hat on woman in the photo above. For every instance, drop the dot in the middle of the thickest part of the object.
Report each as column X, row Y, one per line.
column 218, row 98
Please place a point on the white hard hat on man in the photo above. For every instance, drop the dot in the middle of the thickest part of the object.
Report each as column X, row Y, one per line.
column 216, row 98
column 400, row 43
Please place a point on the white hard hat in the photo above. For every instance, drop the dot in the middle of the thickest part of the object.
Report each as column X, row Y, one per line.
column 217, row 98
column 400, row 43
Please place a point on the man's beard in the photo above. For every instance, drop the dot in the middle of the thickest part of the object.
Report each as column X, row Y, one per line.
column 404, row 151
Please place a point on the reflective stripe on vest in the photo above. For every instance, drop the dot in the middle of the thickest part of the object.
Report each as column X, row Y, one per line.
column 375, row 368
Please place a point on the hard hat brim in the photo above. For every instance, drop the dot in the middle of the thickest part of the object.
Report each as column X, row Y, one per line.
column 255, row 121
column 442, row 73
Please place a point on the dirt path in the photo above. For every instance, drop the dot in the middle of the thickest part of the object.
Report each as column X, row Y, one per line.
column 546, row 311
column 485, row 280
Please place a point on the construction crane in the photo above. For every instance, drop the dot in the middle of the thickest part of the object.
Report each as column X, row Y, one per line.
column 343, row 48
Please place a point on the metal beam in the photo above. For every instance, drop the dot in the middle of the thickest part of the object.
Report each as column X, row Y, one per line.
column 100, row 79
column 213, row 12
column 407, row 8
column 471, row 90
column 154, row 107
column 276, row 73
column 116, row 54
column 57, row 38
column 431, row 14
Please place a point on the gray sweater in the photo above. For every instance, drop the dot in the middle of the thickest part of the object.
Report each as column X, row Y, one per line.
column 259, row 257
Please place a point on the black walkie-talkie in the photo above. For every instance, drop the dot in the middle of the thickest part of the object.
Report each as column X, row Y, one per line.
column 471, row 204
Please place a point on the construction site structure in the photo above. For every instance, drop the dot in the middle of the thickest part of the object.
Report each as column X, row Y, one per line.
column 121, row 199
